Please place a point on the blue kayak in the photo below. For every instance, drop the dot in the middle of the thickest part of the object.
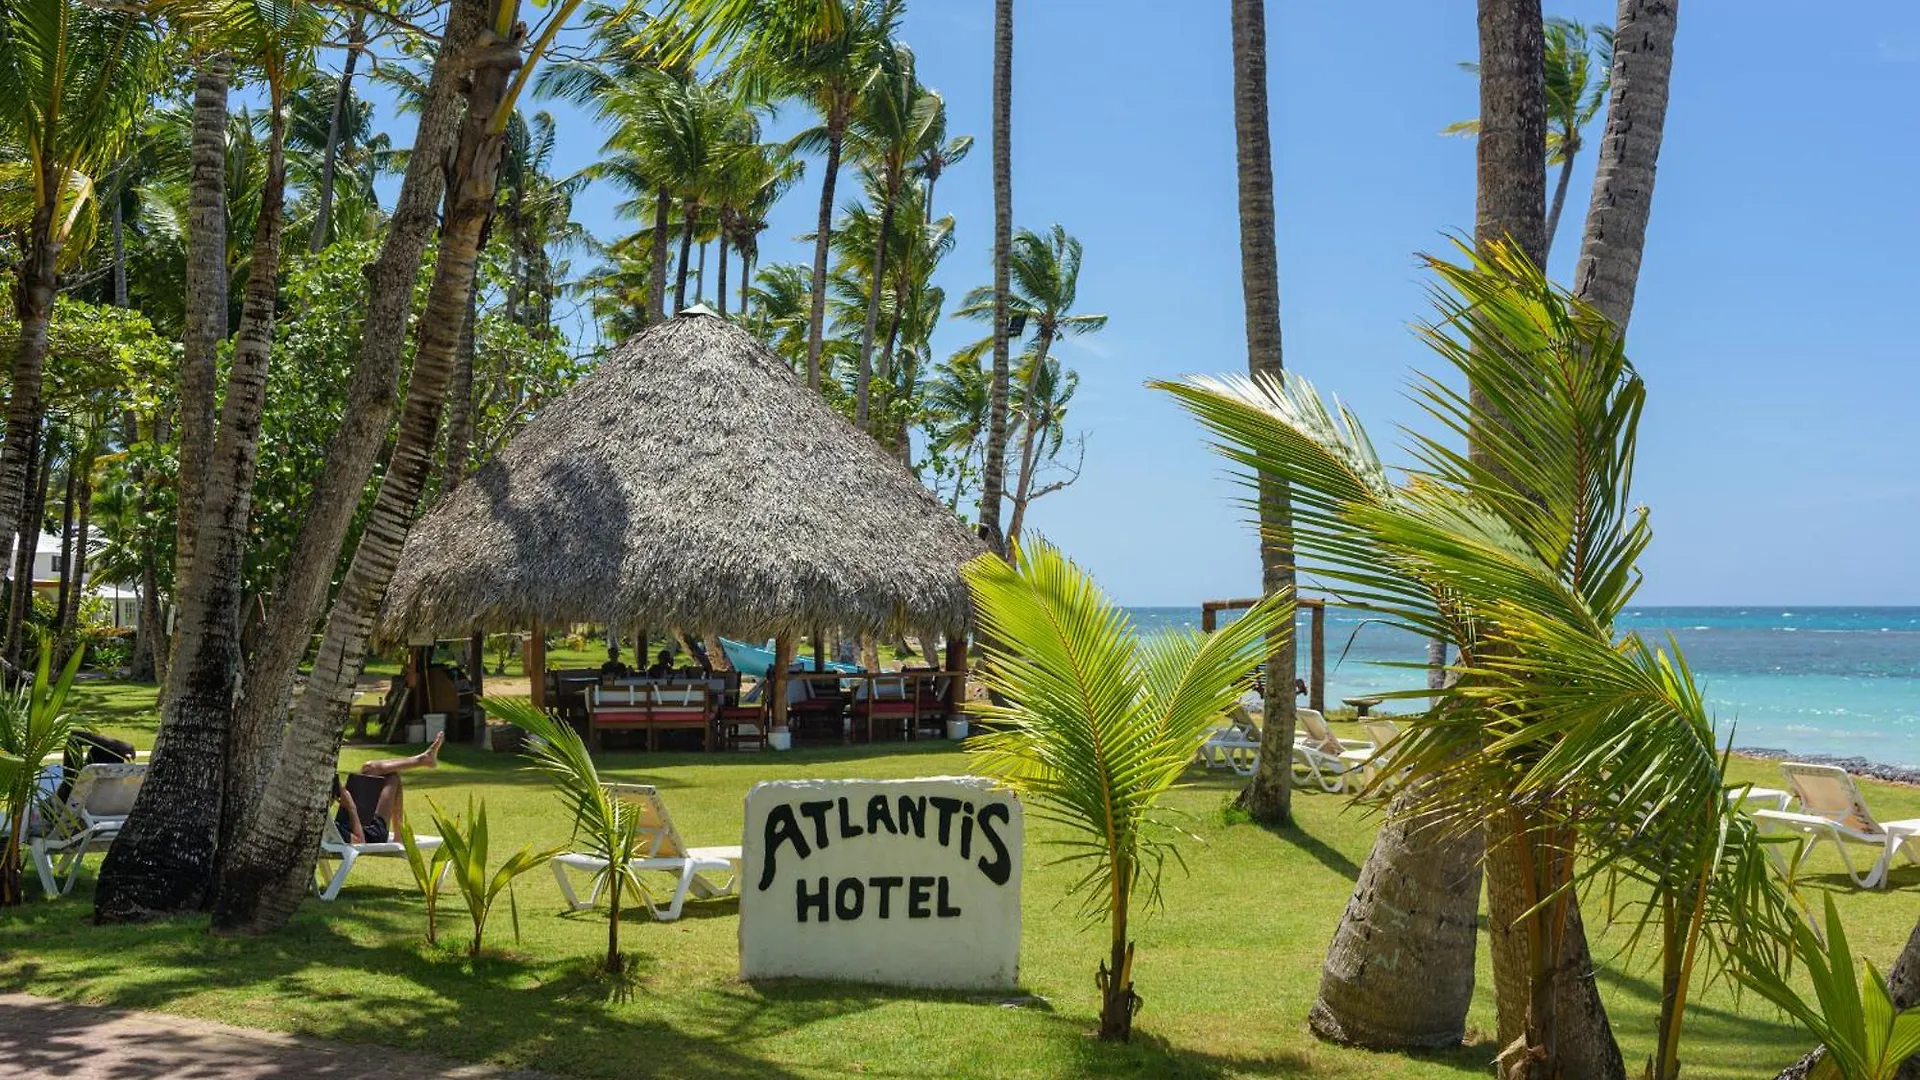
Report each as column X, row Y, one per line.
column 756, row 660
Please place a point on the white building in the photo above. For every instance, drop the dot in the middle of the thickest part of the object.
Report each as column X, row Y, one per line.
column 123, row 601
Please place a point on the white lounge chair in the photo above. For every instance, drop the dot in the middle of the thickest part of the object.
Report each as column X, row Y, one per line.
column 96, row 807
column 335, row 846
column 1236, row 746
column 1319, row 756
column 661, row 850
column 1832, row 809
column 1378, row 757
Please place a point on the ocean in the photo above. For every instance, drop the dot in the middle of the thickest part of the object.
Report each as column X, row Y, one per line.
column 1808, row 680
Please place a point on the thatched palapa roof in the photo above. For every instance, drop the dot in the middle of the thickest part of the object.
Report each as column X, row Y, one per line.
column 690, row 480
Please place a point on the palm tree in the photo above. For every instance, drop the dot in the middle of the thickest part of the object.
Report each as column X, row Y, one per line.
column 1045, row 282
column 1522, row 555
column 1098, row 724
column 1268, row 798
column 205, row 303
column 73, row 79
column 940, row 154
column 1046, row 391
column 993, row 468
column 1616, row 232
column 892, row 128
column 825, row 52
column 264, row 878
column 606, row 827
column 182, row 807
column 781, row 307
column 957, row 406
column 1576, row 74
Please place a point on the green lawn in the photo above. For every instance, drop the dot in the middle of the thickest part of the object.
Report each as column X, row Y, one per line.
column 1228, row 969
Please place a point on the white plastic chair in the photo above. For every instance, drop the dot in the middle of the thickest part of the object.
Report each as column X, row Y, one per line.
column 1321, row 758
column 661, row 850
column 1236, row 746
column 335, row 846
column 1832, row 809
column 1377, row 759
column 95, row 809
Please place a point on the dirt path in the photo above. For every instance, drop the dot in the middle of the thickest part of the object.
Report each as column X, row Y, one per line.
column 45, row 1038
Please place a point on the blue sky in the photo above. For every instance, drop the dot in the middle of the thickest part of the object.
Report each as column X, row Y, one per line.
column 1774, row 317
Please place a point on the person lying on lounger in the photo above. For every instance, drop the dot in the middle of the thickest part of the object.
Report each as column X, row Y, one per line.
column 380, row 826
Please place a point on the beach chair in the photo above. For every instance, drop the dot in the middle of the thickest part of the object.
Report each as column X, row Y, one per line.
column 1832, row 809
column 1319, row 756
column 661, row 850
column 1378, row 759
column 95, row 809
column 333, row 845
column 1236, row 746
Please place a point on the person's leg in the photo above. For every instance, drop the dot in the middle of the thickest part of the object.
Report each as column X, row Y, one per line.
column 390, row 805
column 426, row 759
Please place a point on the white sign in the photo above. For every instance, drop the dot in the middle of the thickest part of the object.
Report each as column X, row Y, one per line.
column 905, row 882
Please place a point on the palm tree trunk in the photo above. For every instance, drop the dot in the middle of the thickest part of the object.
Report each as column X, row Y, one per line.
column 33, row 306
column 1564, row 1026
column 268, row 872
column 1030, row 439
column 163, row 860
column 41, row 445
column 689, row 211
column 885, row 367
column 85, row 517
column 746, row 279
column 657, row 272
column 822, row 235
column 460, row 399
column 720, row 294
column 1399, row 974
column 329, row 161
column 1559, row 203
column 993, row 471
column 1116, row 974
column 1269, row 798
column 700, row 275
column 863, row 388
column 356, row 444
column 119, row 249
column 1616, row 232
column 64, row 599
column 206, row 300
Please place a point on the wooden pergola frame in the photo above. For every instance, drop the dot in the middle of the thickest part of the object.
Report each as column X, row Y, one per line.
column 1317, row 671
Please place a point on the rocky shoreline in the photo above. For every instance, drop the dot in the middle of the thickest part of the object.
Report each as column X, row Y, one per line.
column 1858, row 766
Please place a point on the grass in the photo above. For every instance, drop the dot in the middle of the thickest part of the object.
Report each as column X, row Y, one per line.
column 1228, row 969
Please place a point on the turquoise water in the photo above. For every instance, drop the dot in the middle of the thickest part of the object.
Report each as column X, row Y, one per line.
column 1843, row 681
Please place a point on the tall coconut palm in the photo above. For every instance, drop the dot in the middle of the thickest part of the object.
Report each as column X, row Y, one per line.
column 1561, row 739
column 266, row 874
column 340, row 116
column 1044, row 283
column 1616, row 231
column 179, row 809
column 1269, row 797
column 993, row 467
column 824, row 52
column 893, row 126
column 1577, row 71
column 73, row 79
column 938, row 155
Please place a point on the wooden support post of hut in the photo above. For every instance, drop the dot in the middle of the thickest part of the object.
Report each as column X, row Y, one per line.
column 534, row 662
column 777, row 682
column 956, row 702
column 1317, row 669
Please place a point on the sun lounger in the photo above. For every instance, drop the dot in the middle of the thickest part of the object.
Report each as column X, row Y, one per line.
column 96, row 807
column 1319, row 756
column 661, row 850
column 1236, row 746
column 1832, row 809
column 333, row 845
column 1377, row 759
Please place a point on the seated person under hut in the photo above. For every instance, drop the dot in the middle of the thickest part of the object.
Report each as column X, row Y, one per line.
column 381, row 822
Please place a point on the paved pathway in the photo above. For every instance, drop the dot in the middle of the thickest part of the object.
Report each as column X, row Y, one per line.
column 44, row 1038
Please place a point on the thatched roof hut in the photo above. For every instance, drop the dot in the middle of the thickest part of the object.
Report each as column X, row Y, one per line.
column 690, row 481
